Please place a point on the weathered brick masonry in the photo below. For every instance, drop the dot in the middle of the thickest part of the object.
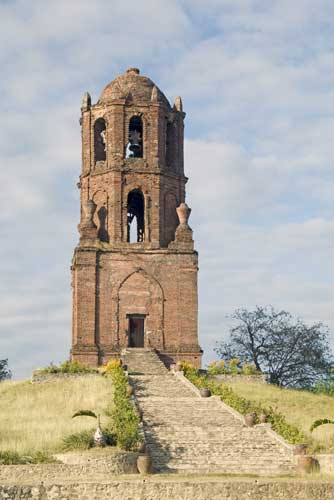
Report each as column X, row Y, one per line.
column 134, row 271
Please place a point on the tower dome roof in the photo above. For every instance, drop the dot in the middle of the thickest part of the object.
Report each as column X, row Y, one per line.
column 132, row 85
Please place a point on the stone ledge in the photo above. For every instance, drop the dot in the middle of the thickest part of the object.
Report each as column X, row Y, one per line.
column 75, row 467
column 161, row 488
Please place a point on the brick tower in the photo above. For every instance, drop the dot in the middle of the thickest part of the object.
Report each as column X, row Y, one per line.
column 134, row 271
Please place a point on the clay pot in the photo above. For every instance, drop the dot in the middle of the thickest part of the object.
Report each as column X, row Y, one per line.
column 205, row 392
column 250, row 419
column 307, row 464
column 178, row 366
column 141, row 448
column 262, row 418
column 300, row 449
column 144, row 464
column 129, row 390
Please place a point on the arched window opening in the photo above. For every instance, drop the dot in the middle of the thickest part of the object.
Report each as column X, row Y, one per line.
column 100, row 140
column 135, row 217
column 169, row 144
column 134, row 148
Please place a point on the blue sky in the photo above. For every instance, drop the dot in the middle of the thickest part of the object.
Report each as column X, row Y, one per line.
column 257, row 82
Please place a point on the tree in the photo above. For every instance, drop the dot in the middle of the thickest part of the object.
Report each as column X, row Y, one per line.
column 4, row 370
column 287, row 350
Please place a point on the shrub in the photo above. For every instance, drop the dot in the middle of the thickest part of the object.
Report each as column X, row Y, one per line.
column 231, row 367
column 325, row 386
column 249, row 369
column 79, row 440
column 14, row 458
column 185, row 365
column 69, row 367
column 125, row 421
column 217, row 368
column 234, row 366
column 110, row 366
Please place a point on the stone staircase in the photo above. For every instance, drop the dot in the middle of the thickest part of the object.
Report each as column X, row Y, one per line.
column 185, row 433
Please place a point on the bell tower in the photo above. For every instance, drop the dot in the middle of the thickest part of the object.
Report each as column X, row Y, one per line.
column 134, row 270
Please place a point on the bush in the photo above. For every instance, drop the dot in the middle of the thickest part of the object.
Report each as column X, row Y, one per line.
column 217, row 368
column 325, row 386
column 13, row 458
column 249, row 369
column 69, row 367
column 278, row 422
column 110, row 366
column 79, row 440
column 125, row 421
column 232, row 367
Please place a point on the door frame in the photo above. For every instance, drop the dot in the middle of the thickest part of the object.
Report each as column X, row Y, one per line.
column 134, row 316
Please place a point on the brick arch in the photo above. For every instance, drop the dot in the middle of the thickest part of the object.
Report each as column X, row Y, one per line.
column 144, row 188
column 141, row 293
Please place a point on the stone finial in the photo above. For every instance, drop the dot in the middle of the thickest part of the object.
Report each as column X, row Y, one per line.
column 133, row 70
column 183, row 213
column 86, row 101
column 154, row 95
column 88, row 228
column 178, row 104
column 183, row 234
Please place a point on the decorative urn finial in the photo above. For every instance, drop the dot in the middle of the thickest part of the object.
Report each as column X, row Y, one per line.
column 88, row 228
column 183, row 213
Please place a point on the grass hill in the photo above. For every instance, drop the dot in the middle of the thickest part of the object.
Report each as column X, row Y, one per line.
column 36, row 417
column 300, row 408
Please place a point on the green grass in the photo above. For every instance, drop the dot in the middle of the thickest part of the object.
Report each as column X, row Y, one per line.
column 36, row 417
column 300, row 408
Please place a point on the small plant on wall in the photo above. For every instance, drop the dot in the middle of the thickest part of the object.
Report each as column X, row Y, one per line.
column 99, row 438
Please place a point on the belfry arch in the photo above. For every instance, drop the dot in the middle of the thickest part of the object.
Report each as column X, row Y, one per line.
column 100, row 140
column 135, row 216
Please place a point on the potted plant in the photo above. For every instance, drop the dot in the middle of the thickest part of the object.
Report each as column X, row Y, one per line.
column 99, row 438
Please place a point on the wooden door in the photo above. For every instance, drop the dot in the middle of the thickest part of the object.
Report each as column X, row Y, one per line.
column 136, row 332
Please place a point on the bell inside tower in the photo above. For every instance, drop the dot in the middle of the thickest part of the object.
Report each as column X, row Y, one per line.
column 134, row 147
